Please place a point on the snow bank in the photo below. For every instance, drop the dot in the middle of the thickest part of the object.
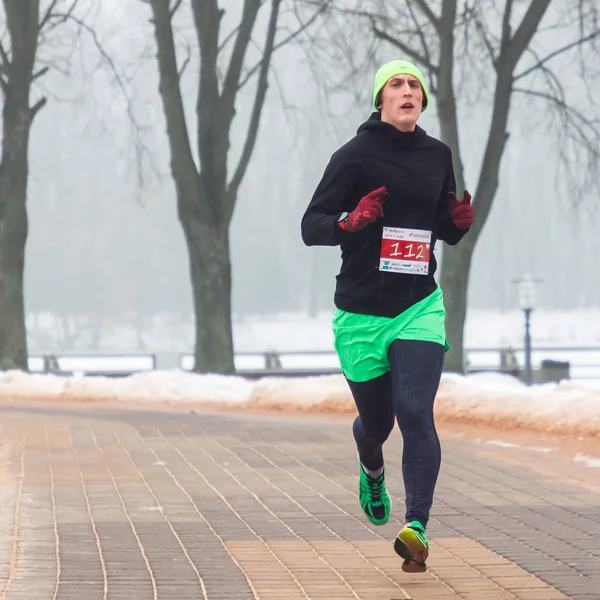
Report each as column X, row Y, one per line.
column 157, row 386
column 327, row 393
column 571, row 406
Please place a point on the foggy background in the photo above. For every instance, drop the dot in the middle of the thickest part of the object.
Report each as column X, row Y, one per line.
column 104, row 250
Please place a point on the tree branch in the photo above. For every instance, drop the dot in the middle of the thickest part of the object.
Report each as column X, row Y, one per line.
column 182, row 163
column 345, row 11
column 520, row 41
column 259, row 100
column 207, row 19
column 446, row 97
column 479, row 26
column 186, row 62
column 382, row 35
column 285, row 41
column 48, row 14
column 421, row 34
column 35, row 109
column 506, row 32
column 232, row 78
column 40, row 73
column 559, row 103
column 53, row 19
column 228, row 38
column 578, row 129
column 105, row 57
column 4, row 57
column 175, row 8
column 426, row 10
column 556, row 53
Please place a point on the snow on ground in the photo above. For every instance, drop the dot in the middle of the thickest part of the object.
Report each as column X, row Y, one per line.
column 571, row 406
column 590, row 461
column 157, row 386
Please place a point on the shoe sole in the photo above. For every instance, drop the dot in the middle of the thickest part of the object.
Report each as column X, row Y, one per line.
column 409, row 547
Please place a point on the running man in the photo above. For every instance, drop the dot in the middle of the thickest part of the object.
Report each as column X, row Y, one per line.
column 386, row 197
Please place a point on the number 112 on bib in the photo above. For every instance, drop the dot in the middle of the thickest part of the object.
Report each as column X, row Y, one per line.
column 405, row 251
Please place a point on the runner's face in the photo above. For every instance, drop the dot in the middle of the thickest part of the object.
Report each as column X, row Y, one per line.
column 402, row 102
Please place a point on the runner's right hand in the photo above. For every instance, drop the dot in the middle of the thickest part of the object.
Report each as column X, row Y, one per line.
column 369, row 209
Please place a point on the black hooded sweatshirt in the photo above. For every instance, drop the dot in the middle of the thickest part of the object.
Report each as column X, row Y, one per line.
column 417, row 171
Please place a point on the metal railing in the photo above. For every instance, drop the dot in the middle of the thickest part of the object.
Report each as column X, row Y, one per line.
column 579, row 362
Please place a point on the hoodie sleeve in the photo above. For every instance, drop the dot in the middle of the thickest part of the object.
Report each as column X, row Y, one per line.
column 447, row 231
column 334, row 195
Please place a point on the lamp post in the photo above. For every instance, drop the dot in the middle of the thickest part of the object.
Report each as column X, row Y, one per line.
column 527, row 303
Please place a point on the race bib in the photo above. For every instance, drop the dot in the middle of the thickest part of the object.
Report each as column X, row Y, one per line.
column 405, row 251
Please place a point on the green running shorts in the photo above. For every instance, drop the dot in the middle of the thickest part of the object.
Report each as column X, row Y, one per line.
column 362, row 341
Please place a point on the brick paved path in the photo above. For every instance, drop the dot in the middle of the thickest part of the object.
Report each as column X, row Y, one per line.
column 143, row 505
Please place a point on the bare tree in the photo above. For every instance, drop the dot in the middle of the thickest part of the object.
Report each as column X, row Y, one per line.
column 27, row 24
column 206, row 194
column 461, row 41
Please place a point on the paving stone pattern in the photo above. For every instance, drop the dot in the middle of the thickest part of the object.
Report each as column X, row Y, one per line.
column 126, row 504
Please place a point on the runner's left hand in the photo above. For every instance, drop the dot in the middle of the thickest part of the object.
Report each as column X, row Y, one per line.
column 461, row 211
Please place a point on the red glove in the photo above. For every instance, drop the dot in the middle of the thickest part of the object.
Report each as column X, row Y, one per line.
column 369, row 209
column 461, row 211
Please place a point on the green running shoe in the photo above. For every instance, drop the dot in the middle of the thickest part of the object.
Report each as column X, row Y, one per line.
column 373, row 497
column 412, row 545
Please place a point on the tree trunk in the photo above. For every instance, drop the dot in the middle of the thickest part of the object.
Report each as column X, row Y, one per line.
column 22, row 19
column 456, row 264
column 455, row 260
column 210, row 270
column 13, row 236
column 206, row 200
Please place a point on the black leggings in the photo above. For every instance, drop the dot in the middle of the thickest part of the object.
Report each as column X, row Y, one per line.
column 406, row 393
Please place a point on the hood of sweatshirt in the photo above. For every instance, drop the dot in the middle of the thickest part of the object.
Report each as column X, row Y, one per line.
column 374, row 123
